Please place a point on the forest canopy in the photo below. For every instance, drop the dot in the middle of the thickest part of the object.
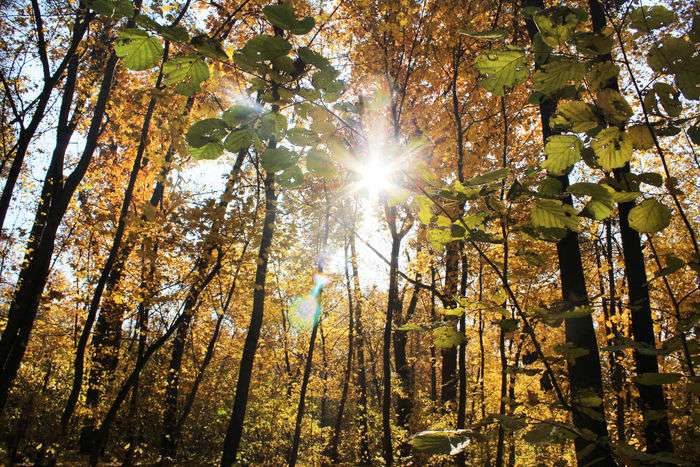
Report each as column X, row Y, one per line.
column 364, row 232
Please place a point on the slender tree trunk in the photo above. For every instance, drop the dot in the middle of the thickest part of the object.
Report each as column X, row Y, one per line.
column 365, row 457
column 235, row 427
column 112, row 259
column 26, row 134
column 56, row 195
column 462, row 358
column 448, row 390
column 393, row 307
column 652, row 400
column 433, row 356
column 333, row 450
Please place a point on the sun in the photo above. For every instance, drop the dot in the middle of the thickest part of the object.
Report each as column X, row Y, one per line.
column 375, row 175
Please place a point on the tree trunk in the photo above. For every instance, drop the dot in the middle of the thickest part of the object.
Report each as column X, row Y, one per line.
column 584, row 372
column 56, row 195
column 448, row 391
column 651, row 398
column 235, row 427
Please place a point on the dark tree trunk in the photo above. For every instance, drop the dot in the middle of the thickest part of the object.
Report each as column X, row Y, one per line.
column 26, row 134
column 393, row 307
column 584, row 372
column 235, row 427
column 335, row 441
column 56, row 195
column 365, row 457
column 462, row 358
column 448, row 390
column 433, row 356
column 651, row 398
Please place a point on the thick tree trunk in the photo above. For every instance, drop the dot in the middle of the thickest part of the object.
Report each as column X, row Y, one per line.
column 651, row 398
column 448, row 390
column 584, row 372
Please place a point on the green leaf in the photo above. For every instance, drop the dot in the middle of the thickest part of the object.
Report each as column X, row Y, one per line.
column 669, row 98
column 209, row 151
column 552, row 213
column 576, row 116
column 657, row 379
column 209, row 47
column 649, row 216
column 137, row 49
column 673, row 264
column 311, row 57
column 557, row 24
column 502, row 69
column 319, row 162
column 424, row 211
column 600, row 74
column 651, row 178
column 238, row 140
column 186, row 72
column 549, row 187
column 562, row 152
column 612, row 148
column 273, row 125
column 601, row 204
column 487, row 178
column 590, row 43
column 205, row 131
column 446, row 442
column 555, row 75
column 446, row 337
column 647, row 18
column 171, row 33
column 291, row 177
column 495, row 35
column 300, row 136
column 614, row 107
column 640, row 137
column 276, row 159
column 670, row 55
column 238, row 114
column 687, row 78
column 508, row 324
column 113, row 8
column 265, row 47
column 283, row 17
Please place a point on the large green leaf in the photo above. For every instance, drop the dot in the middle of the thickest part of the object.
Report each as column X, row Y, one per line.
column 311, row 57
column 590, row 43
column 283, row 17
column 291, row 177
column 137, row 49
column 557, row 24
column 209, row 47
column 300, row 136
column 208, row 151
column 669, row 98
column 562, row 152
column 614, row 106
column 647, row 18
column 446, row 337
column 205, row 131
column 552, row 213
column 576, row 116
column 319, row 162
column 238, row 140
column 649, row 216
column 186, row 72
column 273, row 125
column 601, row 74
column 446, row 442
column 265, row 47
column 275, row 159
column 487, row 178
column 495, row 35
column 502, row 69
column 641, row 137
column 669, row 55
column 238, row 114
column 557, row 74
column 612, row 148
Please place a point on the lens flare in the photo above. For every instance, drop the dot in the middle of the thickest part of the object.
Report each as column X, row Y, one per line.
column 306, row 311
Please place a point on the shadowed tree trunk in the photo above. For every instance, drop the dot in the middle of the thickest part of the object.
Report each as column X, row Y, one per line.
column 651, row 398
column 584, row 372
